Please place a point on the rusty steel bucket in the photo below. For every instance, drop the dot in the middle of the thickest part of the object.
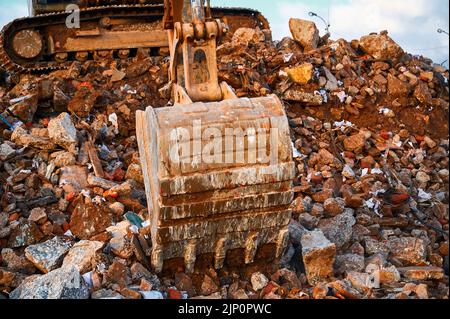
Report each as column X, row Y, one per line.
column 218, row 177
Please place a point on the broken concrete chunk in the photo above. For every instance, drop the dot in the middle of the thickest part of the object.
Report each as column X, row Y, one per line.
column 259, row 281
column 6, row 152
column 422, row 273
column 305, row 32
column 62, row 131
column 27, row 233
column 62, row 283
column 410, row 250
column 82, row 255
column 89, row 219
column 48, row 255
column 381, row 46
column 318, row 256
column 339, row 229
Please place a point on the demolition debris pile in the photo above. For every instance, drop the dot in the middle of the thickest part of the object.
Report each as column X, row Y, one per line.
column 370, row 218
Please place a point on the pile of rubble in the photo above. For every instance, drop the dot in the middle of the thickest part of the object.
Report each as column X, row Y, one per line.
column 370, row 133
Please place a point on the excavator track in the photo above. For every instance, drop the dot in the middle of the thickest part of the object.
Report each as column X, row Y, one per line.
column 48, row 25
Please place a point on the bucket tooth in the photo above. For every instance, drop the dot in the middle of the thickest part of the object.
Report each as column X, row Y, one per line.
column 157, row 260
column 282, row 241
column 220, row 253
column 190, row 256
column 251, row 246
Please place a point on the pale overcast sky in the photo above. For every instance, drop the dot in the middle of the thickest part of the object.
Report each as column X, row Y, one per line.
column 412, row 23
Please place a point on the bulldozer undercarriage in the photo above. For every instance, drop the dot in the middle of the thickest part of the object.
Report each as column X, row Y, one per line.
column 43, row 42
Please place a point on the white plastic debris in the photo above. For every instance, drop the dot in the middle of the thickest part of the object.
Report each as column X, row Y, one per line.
column 151, row 294
column 342, row 96
column 343, row 125
column 287, row 57
column 373, row 205
column 348, row 172
column 423, row 196
column 19, row 99
column 146, row 223
column 364, row 172
column 69, row 234
column 114, row 120
column 386, row 111
column 377, row 171
column 88, row 279
column 86, row 193
column 296, row 153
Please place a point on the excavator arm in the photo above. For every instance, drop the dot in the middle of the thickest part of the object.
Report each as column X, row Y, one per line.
column 198, row 206
column 193, row 36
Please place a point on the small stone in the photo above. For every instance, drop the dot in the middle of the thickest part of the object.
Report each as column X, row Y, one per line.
column 64, row 159
column 82, row 255
column 396, row 87
column 6, row 152
column 116, row 274
column 208, row 286
column 244, row 36
column 301, row 74
column 134, row 173
column 422, row 93
column 309, row 221
column 307, row 98
column 409, row 250
column 117, row 208
column 27, row 233
column 426, row 76
column 318, row 256
column 17, row 263
column 38, row 215
column 325, row 157
column 184, row 283
column 334, row 206
column 259, row 281
column 62, row 283
column 422, row 177
column 339, row 229
column 48, row 255
column 349, row 262
column 121, row 247
column 139, row 68
column 388, row 275
column 354, row 142
column 106, row 294
column 422, row 273
column 89, row 219
column 130, row 294
column 430, row 143
column 62, row 131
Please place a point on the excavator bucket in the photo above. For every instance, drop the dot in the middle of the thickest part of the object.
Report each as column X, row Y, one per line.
column 218, row 178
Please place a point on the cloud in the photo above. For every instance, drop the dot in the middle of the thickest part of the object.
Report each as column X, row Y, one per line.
column 413, row 23
column 10, row 10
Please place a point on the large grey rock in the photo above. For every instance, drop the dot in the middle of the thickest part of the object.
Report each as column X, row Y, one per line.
column 48, row 255
column 62, row 283
column 62, row 131
column 339, row 229
column 82, row 255
column 410, row 251
column 6, row 152
column 318, row 256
